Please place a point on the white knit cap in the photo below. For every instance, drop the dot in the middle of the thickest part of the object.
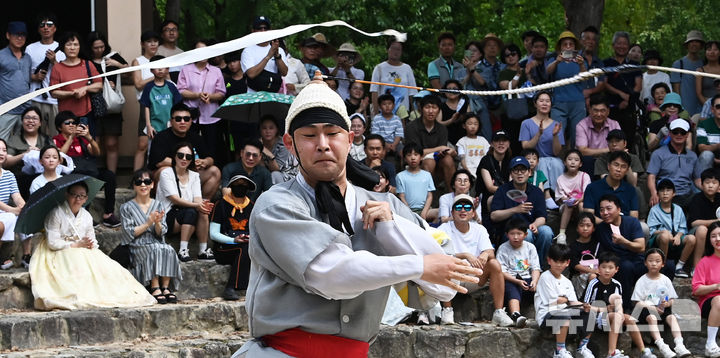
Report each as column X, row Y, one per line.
column 315, row 95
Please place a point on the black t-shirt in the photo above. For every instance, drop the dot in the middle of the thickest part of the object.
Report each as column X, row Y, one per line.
column 499, row 173
column 115, row 57
column 701, row 208
column 598, row 291
column 164, row 143
column 233, row 87
column 455, row 129
column 579, row 249
column 623, row 81
column 231, row 225
column 656, row 125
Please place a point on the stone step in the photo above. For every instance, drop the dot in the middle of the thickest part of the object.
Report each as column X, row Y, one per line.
column 201, row 280
column 39, row 330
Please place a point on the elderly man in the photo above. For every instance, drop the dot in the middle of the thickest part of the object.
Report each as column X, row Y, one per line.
column 324, row 252
column 15, row 75
column 708, row 137
column 591, row 132
column 589, row 40
column 264, row 63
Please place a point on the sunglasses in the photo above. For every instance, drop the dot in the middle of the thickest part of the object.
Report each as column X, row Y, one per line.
column 678, row 132
column 69, row 123
column 673, row 105
column 185, row 156
column 463, row 207
column 511, row 54
column 182, row 118
column 47, row 24
column 717, row 106
column 146, row 181
column 252, row 155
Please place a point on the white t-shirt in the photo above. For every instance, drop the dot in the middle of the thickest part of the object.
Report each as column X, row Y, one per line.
column 39, row 182
column 446, row 201
column 144, row 73
column 472, row 150
column 252, row 55
column 549, row 289
column 651, row 80
column 344, row 86
column 167, row 186
column 399, row 75
column 37, row 51
column 653, row 291
column 475, row 241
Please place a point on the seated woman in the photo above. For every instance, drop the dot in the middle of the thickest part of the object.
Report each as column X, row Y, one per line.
column 706, row 288
column 8, row 214
column 179, row 191
column 68, row 271
column 546, row 136
column 229, row 228
column 22, row 141
column 276, row 158
column 462, row 181
column 671, row 108
column 154, row 262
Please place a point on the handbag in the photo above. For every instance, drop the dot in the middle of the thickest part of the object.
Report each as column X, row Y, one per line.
column 516, row 108
column 99, row 107
column 114, row 98
column 86, row 164
column 591, row 262
column 266, row 81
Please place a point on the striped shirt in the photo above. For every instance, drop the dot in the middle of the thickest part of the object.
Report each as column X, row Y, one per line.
column 387, row 128
column 8, row 186
column 708, row 131
column 597, row 290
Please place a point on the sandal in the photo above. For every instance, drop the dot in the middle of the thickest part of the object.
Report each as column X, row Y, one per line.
column 169, row 297
column 8, row 264
column 159, row 297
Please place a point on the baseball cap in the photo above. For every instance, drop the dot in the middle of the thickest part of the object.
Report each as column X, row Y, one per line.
column 17, row 27
column 665, row 184
column 463, row 197
column 517, row 161
column 500, row 135
column 149, row 34
column 242, row 177
column 259, row 21
column 616, row 134
column 680, row 123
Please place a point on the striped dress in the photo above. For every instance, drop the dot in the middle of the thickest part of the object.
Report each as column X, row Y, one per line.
column 150, row 255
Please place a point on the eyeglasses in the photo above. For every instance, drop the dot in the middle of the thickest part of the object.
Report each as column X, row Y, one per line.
column 519, row 170
column 678, row 132
column 170, row 29
column 47, row 24
column 78, row 196
column 185, row 156
column 182, row 118
column 463, row 207
column 251, row 155
column 146, row 181
column 69, row 123
column 31, row 118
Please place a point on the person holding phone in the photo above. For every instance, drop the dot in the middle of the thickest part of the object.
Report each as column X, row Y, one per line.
column 264, row 60
column 345, row 60
column 568, row 101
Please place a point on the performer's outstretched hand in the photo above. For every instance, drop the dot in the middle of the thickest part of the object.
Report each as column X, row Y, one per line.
column 443, row 269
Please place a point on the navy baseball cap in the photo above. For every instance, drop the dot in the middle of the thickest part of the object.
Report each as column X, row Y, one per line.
column 259, row 21
column 17, row 27
column 517, row 161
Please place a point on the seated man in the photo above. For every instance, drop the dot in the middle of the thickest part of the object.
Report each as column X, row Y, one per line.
column 702, row 209
column 613, row 183
column 592, row 132
column 708, row 137
column 673, row 161
column 532, row 210
column 616, row 141
column 248, row 166
column 438, row 157
column 471, row 242
column 164, row 142
column 375, row 156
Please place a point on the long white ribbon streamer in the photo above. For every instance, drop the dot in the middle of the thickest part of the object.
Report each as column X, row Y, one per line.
column 203, row 53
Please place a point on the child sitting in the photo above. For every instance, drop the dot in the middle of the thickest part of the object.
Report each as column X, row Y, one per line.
column 570, row 190
column 668, row 225
column 585, row 250
column 537, row 177
column 414, row 185
column 553, row 296
column 388, row 125
column 471, row 242
column 653, row 296
column 520, row 265
column 471, row 148
column 383, row 186
column 357, row 126
column 49, row 159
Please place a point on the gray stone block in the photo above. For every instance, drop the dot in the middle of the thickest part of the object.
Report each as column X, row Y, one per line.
column 434, row 342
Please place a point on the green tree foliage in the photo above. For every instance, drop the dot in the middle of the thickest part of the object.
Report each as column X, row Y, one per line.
column 658, row 24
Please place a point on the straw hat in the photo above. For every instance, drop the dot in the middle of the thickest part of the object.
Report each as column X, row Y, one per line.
column 491, row 36
column 348, row 47
column 319, row 39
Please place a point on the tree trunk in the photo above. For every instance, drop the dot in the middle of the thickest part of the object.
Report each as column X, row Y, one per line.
column 172, row 10
column 580, row 14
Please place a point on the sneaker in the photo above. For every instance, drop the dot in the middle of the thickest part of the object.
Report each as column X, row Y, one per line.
column 423, row 318
column 647, row 353
column 184, row 255
column 206, row 255
column 560, row 239
column 584, row 352
column 111, row 221
column 447, row 316
column 230, row 295
column 680, row 273
column 501, row 318
column 563, row 353
column 681, row 351
column 713, row 352
column 520, row 321
column 618, row 354
column 665, row 350
column 26, row 261
column 7, row 264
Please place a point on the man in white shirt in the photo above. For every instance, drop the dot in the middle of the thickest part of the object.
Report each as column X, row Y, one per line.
column 394, row 71
column 43, row 54
column 345, row 60
column 265, row 56
column 326, row 251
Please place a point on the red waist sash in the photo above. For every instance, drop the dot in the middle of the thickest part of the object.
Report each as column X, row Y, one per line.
column 298, row 343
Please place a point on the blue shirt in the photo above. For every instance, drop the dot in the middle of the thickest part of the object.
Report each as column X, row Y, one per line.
column 502, row 202
column 14, row 78
column 674, row 222
column 389, row 129
column 415, row 186
column 629, row 228
column 690, row 101
column 680, row 168
column 572, row 92
column 625, row 192
column 528, row 128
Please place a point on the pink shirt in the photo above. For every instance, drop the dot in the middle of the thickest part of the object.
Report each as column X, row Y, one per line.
column 209, row 80
column 587, row 136
column 572, row 187
column 707, row 272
